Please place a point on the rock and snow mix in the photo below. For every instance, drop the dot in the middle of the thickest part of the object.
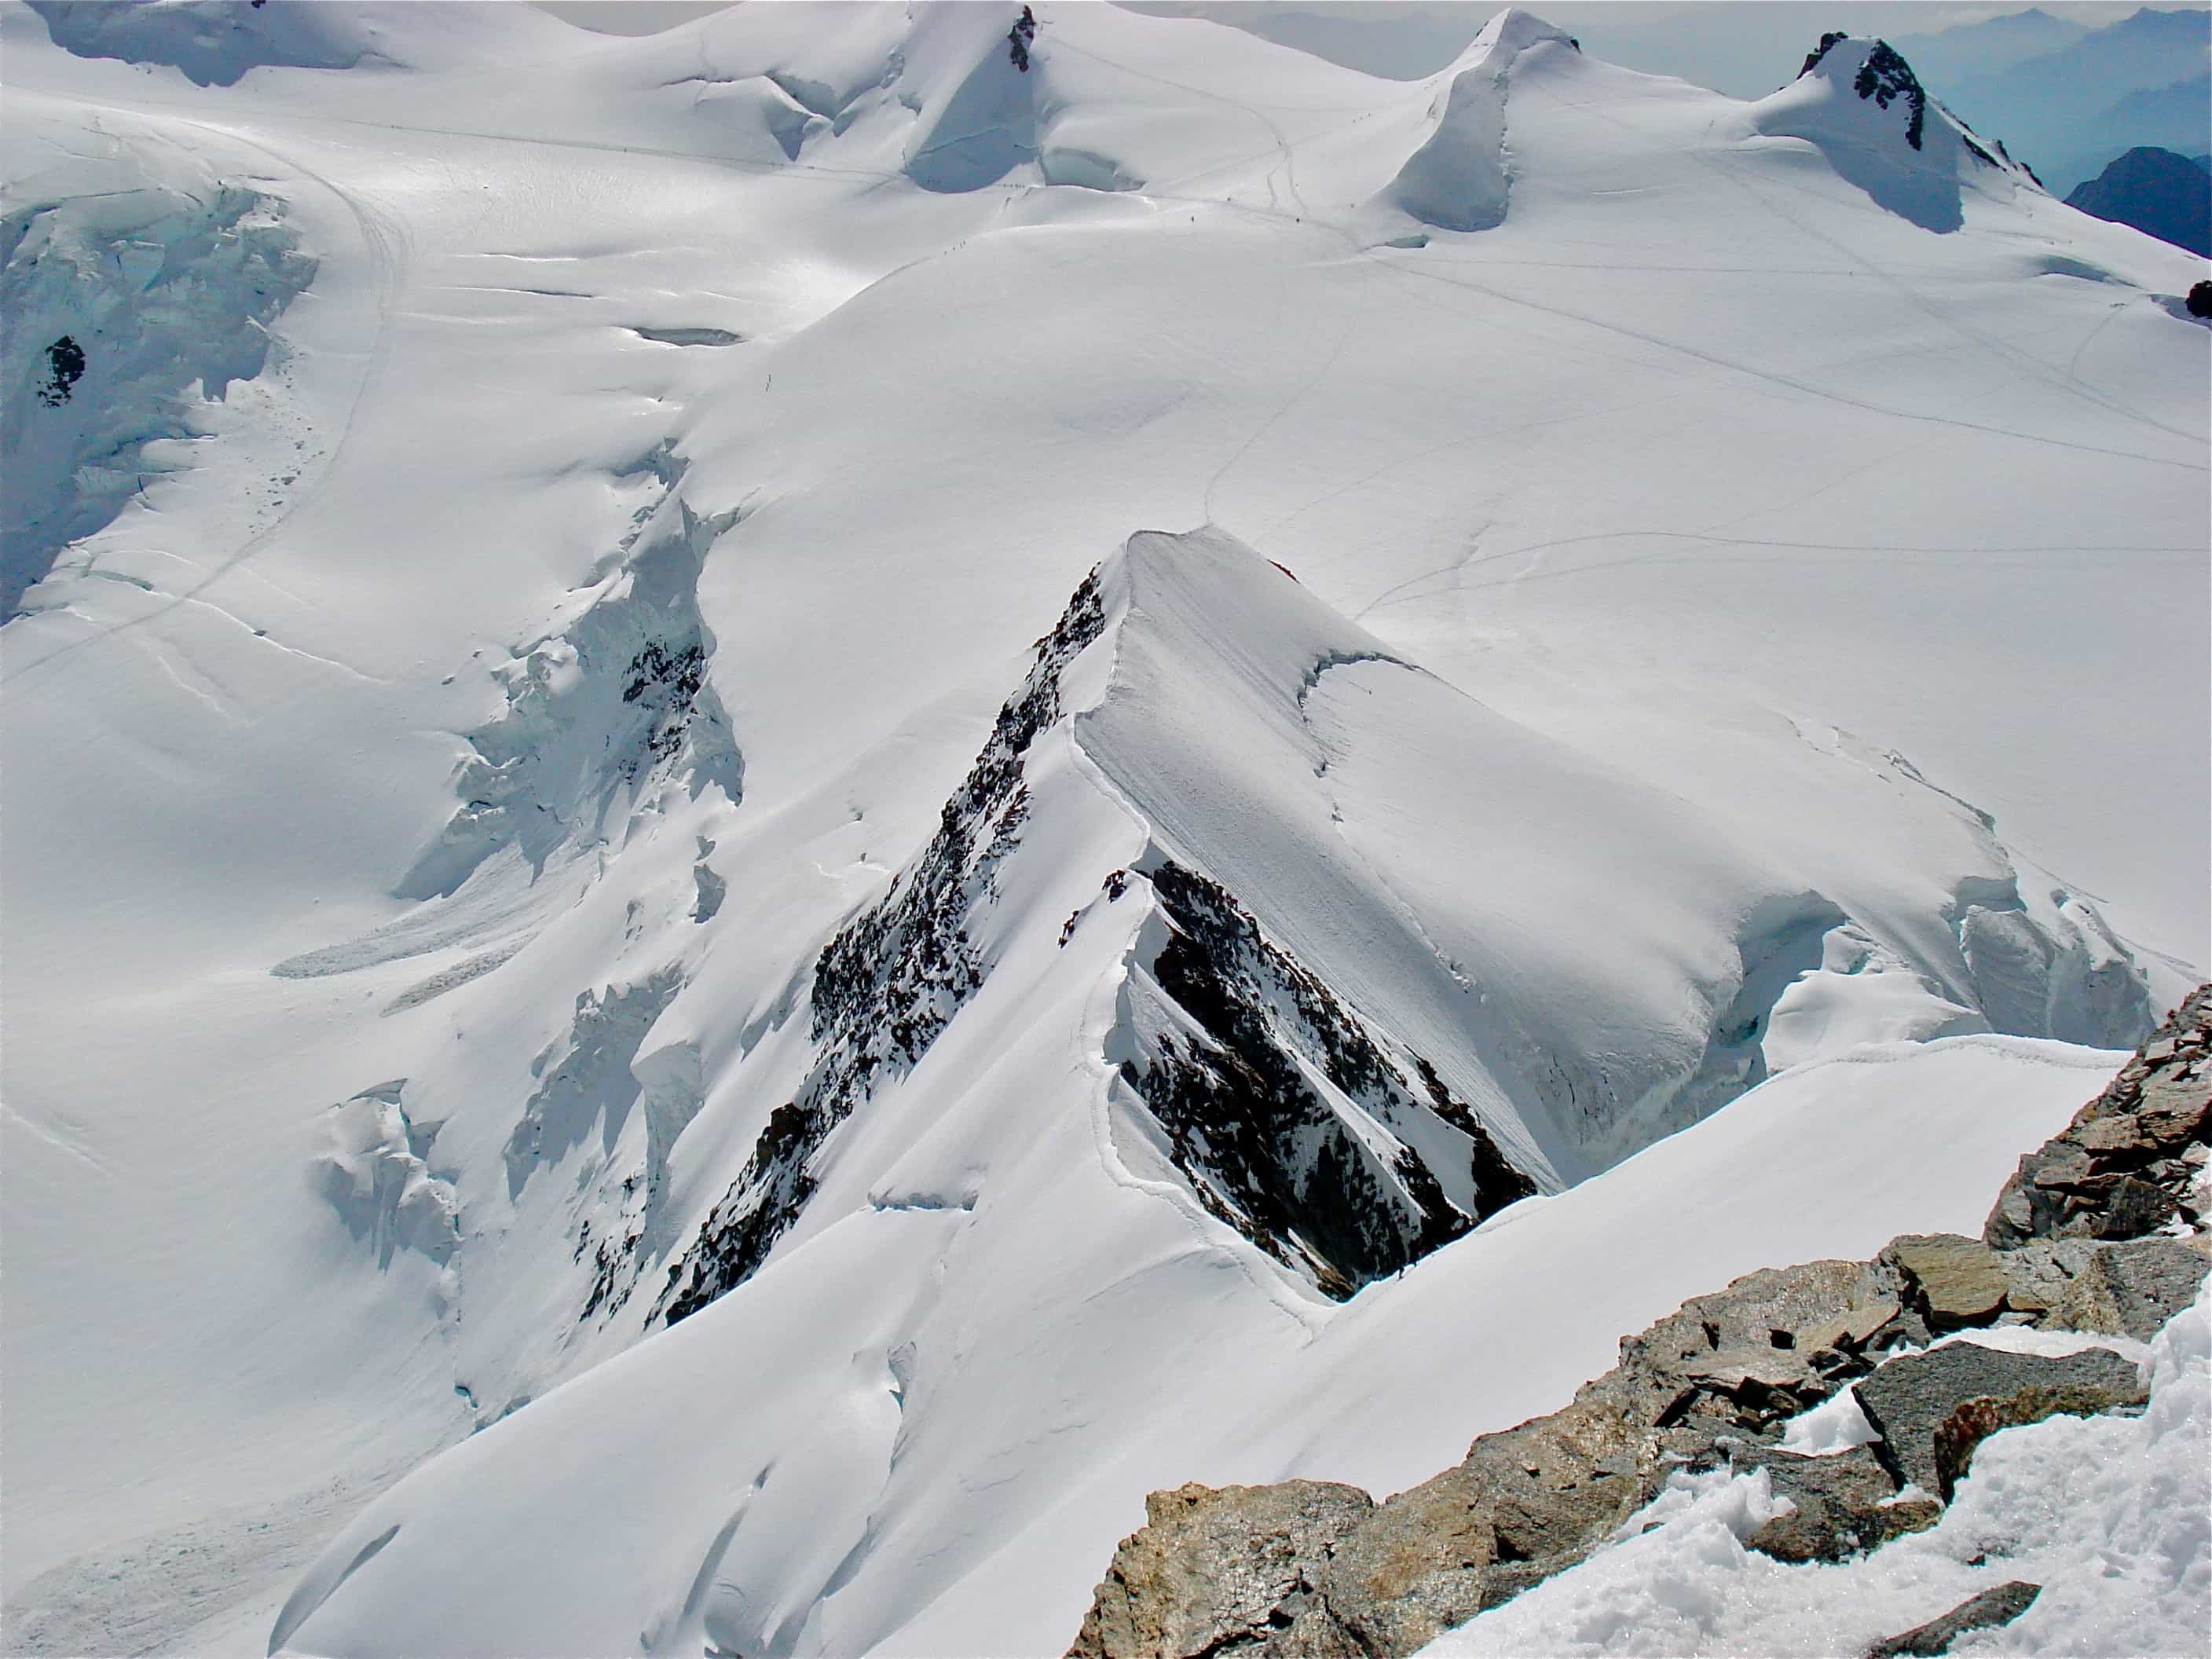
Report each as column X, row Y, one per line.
column 1679, row 1501
column 2109, row 1516
column 563, row 881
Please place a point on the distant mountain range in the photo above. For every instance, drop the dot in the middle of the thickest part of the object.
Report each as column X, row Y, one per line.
column 1997, row 43
column 2068, row 100
column 2168, row 196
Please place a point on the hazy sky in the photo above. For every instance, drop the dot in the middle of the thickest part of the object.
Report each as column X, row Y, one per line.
column 1744, row 48
column 629, row 16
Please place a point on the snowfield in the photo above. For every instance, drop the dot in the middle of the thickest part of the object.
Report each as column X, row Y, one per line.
column 797, row 804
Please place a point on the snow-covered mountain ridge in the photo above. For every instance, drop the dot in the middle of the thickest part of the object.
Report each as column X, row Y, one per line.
column 536, row 816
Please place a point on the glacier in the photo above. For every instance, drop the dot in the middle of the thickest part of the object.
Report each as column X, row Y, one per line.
column 783, row 804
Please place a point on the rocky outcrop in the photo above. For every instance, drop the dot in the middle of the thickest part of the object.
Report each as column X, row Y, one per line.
column 1306, row 1569
column 2132, row 1289
column 2126, row 1165
column 1987, row 1611
column 1219, row 1568
column 1955, row 1281
column 1932, row 1409
column 1238, row 1040
column 1713, row 1382
column 1883, row 77
column 1840, row 1505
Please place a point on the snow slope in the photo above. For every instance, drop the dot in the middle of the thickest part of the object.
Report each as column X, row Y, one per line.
column 548, row 539
column 905, row 1508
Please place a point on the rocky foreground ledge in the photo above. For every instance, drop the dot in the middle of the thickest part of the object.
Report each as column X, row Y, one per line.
column 2101, row 1230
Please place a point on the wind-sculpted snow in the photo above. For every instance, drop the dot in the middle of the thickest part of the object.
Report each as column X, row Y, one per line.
column 591, row 1082
column 119, row 313
column 1461, row 178
column 216, row 43
column 212, row 41
column 600, row 712
column 376, row 1175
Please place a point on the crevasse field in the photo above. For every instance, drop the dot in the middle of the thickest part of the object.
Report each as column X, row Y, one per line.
column 662, row 695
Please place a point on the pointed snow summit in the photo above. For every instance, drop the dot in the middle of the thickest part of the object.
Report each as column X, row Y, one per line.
column 1460, row 179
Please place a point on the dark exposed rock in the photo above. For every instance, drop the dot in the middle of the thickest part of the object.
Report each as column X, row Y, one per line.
column 1827, row 44
column 1229, row 1076
column 1314, row 1133
column 1020, row 38
column 667, row 680
column 2121, row 1168
column 891, row 980
column 65, row 368
column 1841, row 1503
column 1886, row 76
column 1991, row 1608
column 1496, row 1182
column 1932, row 1409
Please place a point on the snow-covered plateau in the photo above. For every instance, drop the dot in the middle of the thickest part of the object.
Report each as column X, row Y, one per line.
column 786, row 802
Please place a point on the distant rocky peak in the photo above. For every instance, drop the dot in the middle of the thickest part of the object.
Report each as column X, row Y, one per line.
column 1876, row 70
column 1828, row 42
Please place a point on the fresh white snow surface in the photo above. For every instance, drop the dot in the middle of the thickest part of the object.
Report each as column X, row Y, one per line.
column 954, row 1415
column 544, row 529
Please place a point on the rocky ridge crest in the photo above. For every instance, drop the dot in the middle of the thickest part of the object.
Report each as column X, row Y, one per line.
column 2103, row 1228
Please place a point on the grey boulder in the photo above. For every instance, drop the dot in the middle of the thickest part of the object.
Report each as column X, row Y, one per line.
column 1932, row 1409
